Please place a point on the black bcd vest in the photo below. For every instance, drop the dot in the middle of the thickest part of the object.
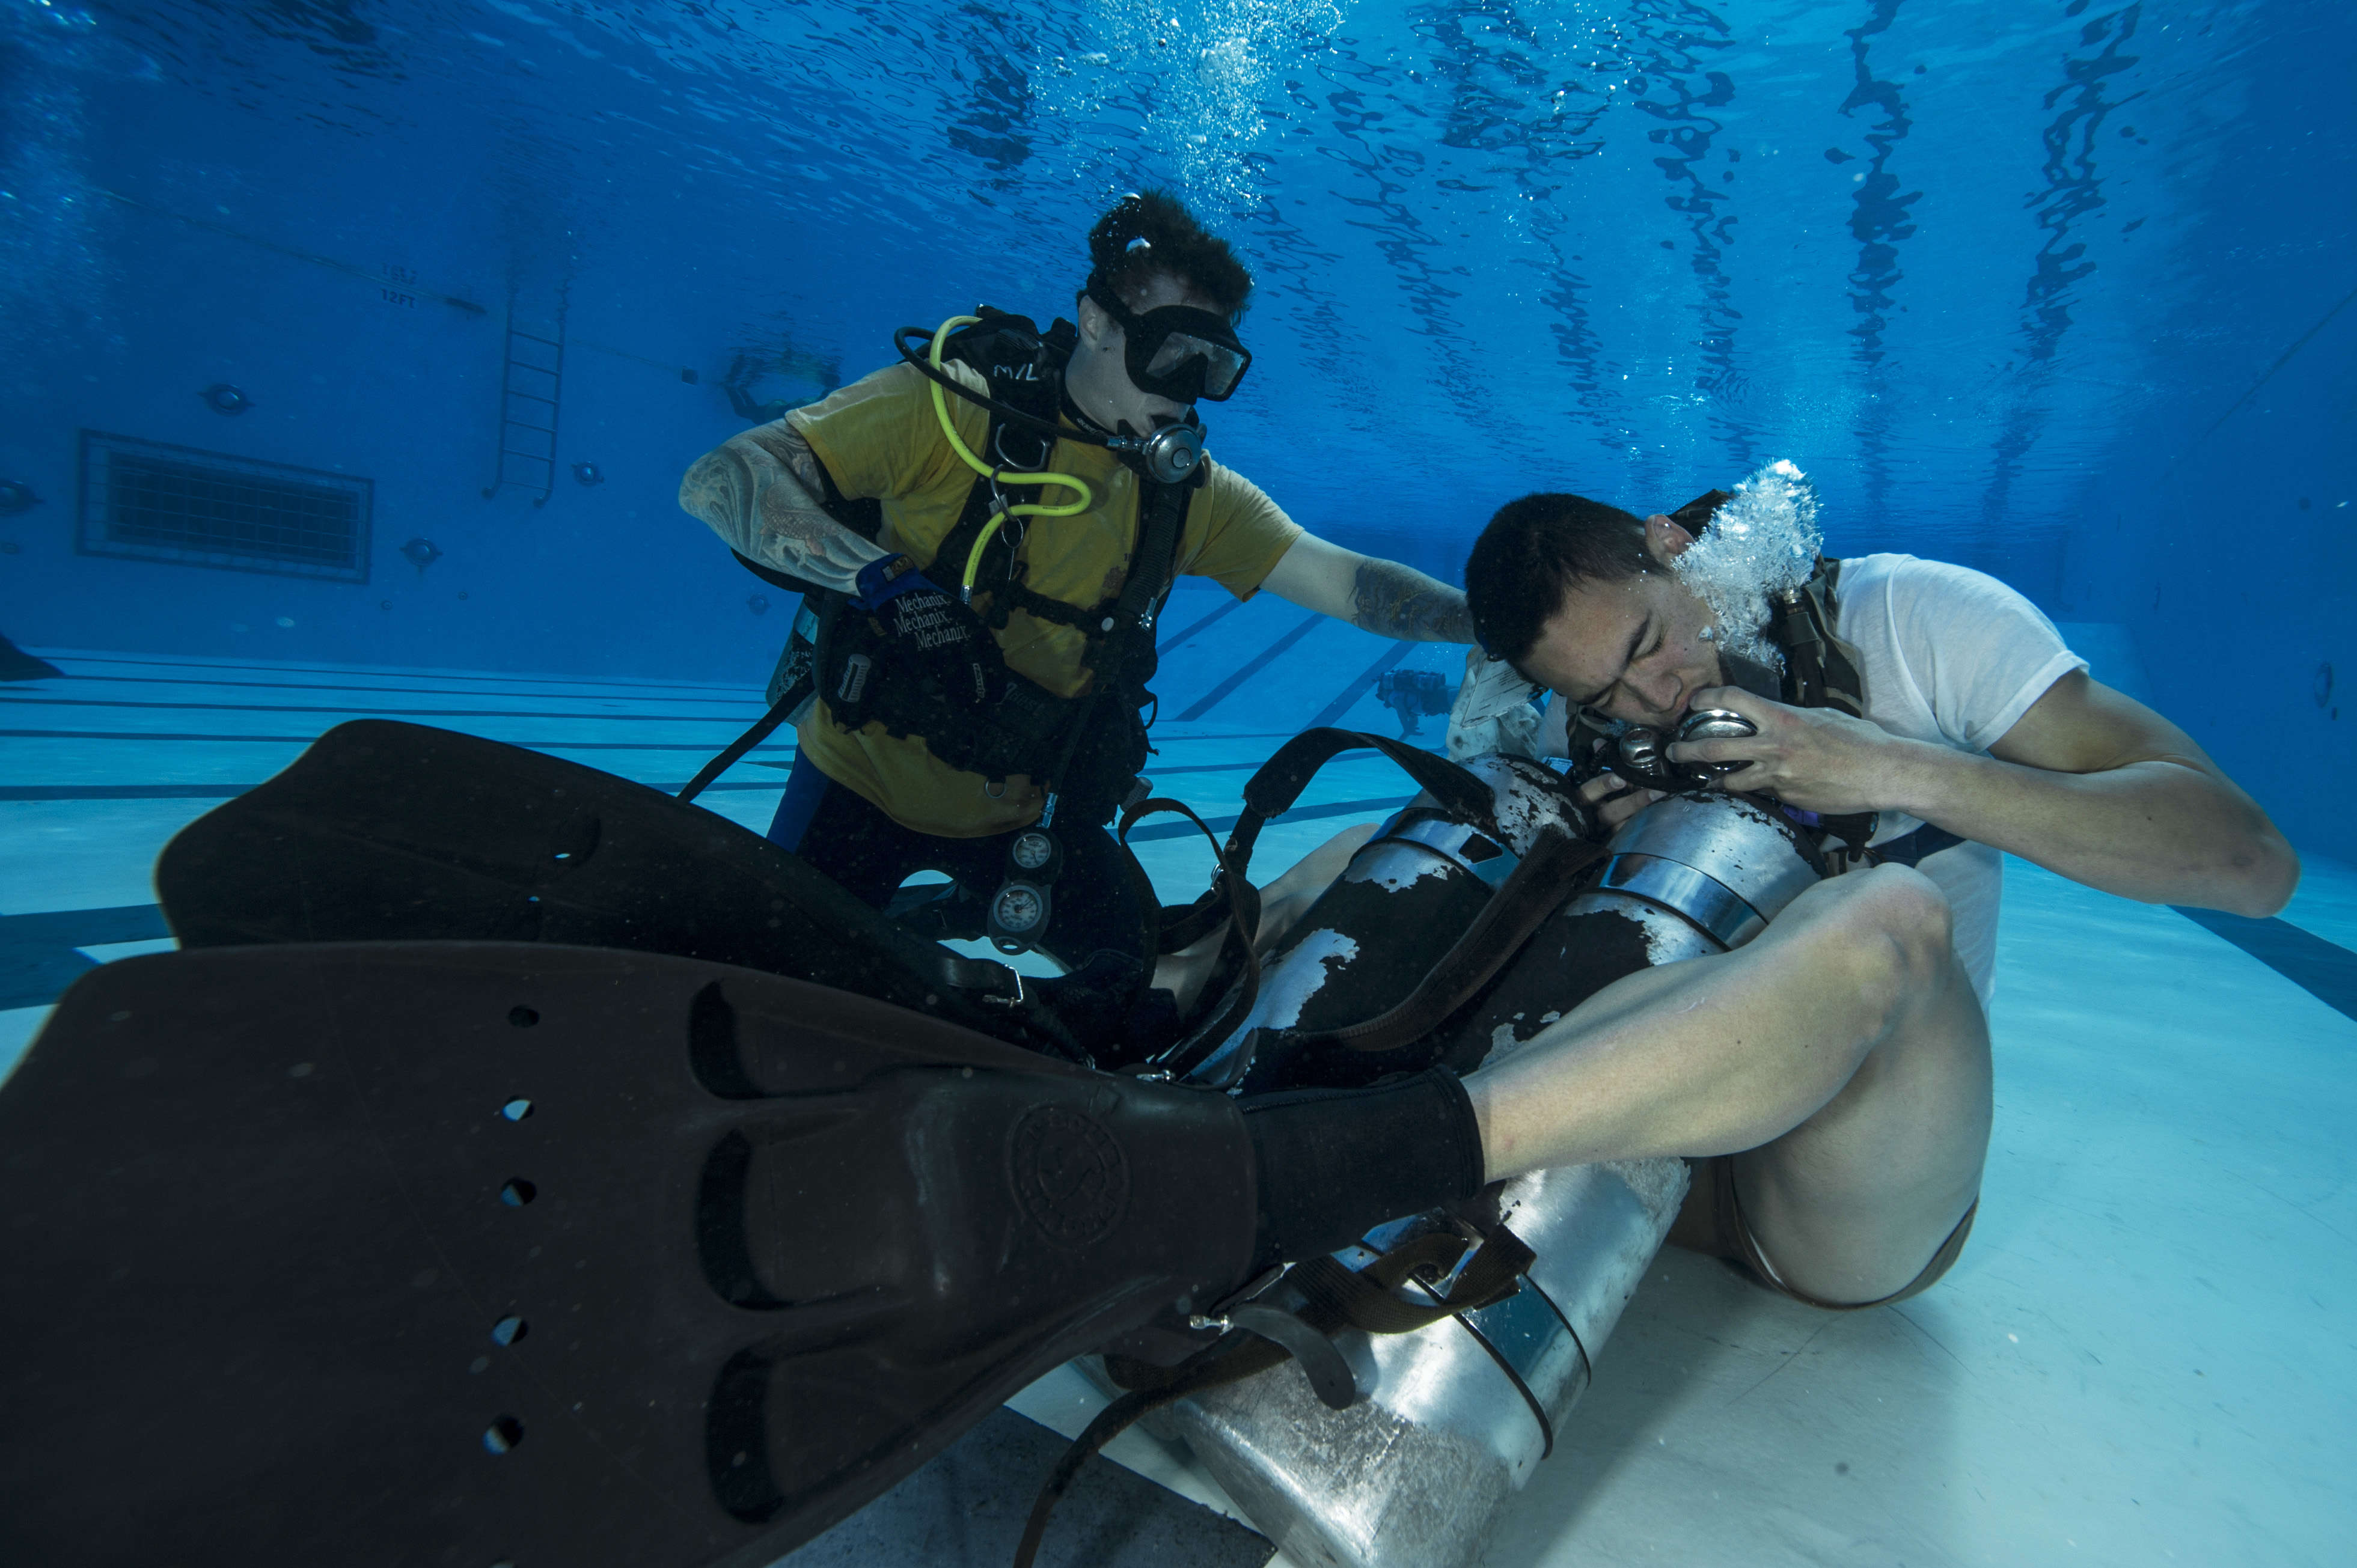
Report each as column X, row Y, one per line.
column 1087, row 749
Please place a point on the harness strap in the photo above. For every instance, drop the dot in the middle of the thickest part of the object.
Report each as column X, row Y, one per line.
column 1237, row 973
column 1821, row 671
column 794, row 696
column 1335, row 1296
column 1362, row 1299
column 1278, row 783
column 1532, row 893
column 1232, row 1358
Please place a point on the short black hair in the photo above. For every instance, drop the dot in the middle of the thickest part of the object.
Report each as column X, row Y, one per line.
column 1533, row 554
column 1175, row 244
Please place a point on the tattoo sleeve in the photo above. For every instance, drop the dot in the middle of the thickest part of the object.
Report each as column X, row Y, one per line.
column 1392, row 600
column 760, row 492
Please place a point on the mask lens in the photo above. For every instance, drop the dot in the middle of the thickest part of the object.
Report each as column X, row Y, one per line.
column 1222, row 366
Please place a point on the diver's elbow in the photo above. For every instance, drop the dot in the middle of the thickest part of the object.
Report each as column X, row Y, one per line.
column 707, row 489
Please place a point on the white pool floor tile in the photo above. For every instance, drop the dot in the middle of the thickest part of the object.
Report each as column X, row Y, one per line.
column 2145, row 1355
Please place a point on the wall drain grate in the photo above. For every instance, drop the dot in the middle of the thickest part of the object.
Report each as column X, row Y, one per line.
column 150, row 501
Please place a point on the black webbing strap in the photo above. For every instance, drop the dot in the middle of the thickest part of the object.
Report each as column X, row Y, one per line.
column 1532, row 893
column 1278, row 783
column 1234, row 899
column 1820, row 672
column 1274, row 789
column 1820, row 669
column 1231, row 1359
column 763, row 728
column 1362, row 1299
column 1336, row 1296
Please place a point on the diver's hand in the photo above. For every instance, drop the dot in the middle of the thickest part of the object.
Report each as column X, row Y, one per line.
column 1614, row 800
column 940, row 637
column 1492, row 712
column 1819, row 759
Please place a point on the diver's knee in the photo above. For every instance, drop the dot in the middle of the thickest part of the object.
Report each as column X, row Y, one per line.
column 1897, row 927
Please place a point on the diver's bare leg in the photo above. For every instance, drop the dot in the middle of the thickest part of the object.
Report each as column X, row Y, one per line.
column 1843, row 1054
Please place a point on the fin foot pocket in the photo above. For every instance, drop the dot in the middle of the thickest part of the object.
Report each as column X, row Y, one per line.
column 263, row 1188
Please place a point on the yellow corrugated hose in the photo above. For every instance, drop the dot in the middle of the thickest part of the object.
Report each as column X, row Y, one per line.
column 957, row 445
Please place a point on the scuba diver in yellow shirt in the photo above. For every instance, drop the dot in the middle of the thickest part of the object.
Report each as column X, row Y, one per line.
column 984, row 535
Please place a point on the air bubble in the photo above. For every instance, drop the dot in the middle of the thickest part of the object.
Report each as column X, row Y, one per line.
column 1762, row 542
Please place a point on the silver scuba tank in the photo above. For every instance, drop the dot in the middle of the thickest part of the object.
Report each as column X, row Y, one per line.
column 1454, row 1416
column 1369, row 938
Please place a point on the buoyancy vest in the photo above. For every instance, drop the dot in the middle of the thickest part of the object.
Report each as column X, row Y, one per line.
column 1087, row 749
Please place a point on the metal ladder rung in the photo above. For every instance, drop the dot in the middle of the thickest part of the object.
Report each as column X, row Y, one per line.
column 516, row 368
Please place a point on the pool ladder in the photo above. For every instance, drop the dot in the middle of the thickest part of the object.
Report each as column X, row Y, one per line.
column 530, row 383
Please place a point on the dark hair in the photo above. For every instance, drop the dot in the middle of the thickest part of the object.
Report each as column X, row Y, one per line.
column 1534, row 552
column 1174, row 245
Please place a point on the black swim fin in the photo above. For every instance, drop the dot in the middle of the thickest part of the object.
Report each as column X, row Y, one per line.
column 427, row 1253
column 389, row 831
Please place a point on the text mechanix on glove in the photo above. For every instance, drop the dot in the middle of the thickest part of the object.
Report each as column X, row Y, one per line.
column 924, row 618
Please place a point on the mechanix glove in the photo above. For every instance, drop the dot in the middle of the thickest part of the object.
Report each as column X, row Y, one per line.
column 941, row 641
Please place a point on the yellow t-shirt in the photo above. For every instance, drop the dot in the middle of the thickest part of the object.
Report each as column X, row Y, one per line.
column 879, row 438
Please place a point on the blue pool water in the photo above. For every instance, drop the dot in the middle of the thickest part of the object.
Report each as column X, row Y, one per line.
column 2060, row 290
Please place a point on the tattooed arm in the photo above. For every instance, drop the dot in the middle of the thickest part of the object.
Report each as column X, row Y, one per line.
column 760, row 491
column 1380, row 597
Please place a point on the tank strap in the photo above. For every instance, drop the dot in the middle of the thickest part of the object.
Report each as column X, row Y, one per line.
column 1537, row 886
column 1278, row 783
column 1530, row 894
column 1233, row 901
column 1266, row 1335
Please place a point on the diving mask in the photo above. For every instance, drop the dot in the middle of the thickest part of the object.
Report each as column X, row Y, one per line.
column 1176, row 350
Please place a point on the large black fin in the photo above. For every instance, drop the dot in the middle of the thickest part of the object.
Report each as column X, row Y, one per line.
column 427, row 1253
column 389, row 832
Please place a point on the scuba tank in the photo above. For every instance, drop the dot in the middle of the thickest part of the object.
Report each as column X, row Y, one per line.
column 1451, row 1417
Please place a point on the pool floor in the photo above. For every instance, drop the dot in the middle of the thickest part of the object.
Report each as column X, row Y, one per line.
column 2147, row 1353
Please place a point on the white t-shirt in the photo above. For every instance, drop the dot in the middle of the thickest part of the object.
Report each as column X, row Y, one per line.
column 1950, row 656
column 1953, row 657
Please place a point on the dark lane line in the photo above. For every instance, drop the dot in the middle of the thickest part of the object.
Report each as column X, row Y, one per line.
column 1358, row 688
column 36, row 793
column 1252, row 666
column 1356, row 754
column 1184, row 829
column 1229, row 608
column 307, row 739
column 751, row 704
column 2326, row 971
column 37, row 950
column 596, row 693
column 348, row 670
